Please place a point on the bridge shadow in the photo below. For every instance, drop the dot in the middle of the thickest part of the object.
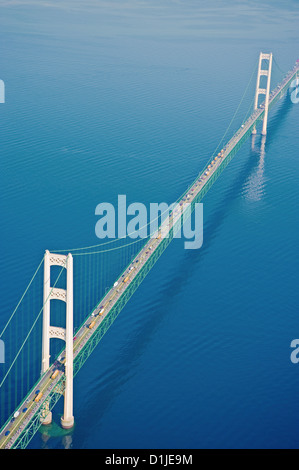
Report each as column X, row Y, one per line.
column 255, row 165
column 278, row 118
column 108, row 382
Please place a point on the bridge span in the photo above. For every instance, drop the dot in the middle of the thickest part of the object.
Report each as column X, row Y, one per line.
column 37, row 405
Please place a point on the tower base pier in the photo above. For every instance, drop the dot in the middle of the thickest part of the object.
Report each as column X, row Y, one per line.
column 67, row 423
column 47, row 419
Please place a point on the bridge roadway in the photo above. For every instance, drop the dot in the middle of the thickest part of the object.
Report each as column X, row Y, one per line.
column 15, row 426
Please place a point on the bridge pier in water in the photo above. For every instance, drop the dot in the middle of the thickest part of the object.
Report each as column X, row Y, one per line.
column 47, row 418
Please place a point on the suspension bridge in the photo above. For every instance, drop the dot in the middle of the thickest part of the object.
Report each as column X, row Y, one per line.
column 29, row 392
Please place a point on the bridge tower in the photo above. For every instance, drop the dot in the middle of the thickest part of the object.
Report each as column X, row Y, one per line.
column 66, row 334
column 263, row 91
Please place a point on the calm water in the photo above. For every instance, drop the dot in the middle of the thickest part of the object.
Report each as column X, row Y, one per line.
column 132, row 98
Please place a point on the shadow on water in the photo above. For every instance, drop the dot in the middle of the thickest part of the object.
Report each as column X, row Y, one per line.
column 122, row 370
column 54, row 430
column 279, row 118
column 256, row 153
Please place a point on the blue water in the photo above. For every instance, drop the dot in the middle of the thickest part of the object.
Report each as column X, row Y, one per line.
column 108, row 98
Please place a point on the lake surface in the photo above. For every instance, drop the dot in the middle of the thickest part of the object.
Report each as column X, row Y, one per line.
column 131, row 97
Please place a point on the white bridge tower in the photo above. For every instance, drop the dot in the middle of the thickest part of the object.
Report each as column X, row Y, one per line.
column 66, row 334
column 263, row 91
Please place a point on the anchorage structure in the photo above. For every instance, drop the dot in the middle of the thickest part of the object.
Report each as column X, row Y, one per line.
column 263, row 91
column 66, row 334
